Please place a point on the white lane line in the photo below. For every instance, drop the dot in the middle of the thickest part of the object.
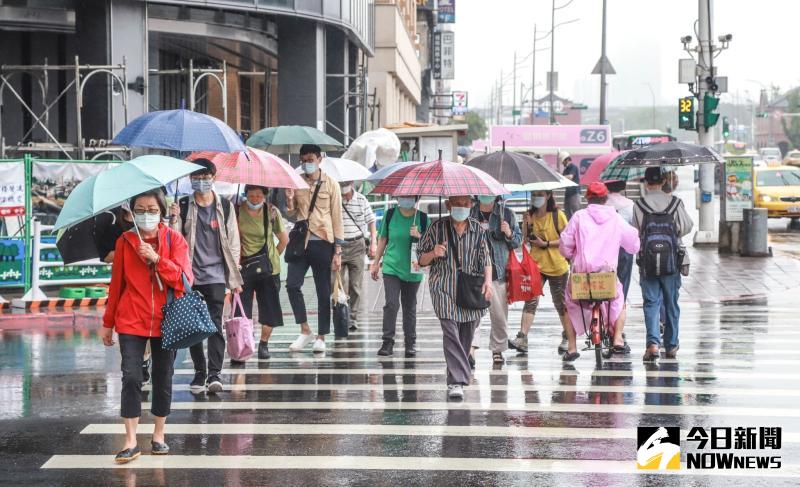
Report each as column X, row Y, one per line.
column 441, row 371
column 303, row 462
column 555, row 361
column 683, row 410
column 513, row 388
column 720, row 343
column 683, row 351
column 383, row 430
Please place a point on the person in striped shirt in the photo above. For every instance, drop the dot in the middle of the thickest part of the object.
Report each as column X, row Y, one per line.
column 357, row 220
column 463, row 236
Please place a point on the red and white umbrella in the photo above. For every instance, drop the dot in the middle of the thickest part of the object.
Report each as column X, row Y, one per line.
column 253, row 166
column 439, row 178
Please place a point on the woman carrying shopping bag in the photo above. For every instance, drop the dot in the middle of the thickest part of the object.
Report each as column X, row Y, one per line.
column 144, row 270
column 401, row 229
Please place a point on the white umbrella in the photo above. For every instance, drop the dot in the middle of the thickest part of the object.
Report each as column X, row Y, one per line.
column 342, row 169
column 377, row 147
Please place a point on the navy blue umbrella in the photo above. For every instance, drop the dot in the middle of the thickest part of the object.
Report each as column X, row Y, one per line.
column 180, row 131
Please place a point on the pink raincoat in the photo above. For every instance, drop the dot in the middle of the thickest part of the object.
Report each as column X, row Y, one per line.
column 591, row 242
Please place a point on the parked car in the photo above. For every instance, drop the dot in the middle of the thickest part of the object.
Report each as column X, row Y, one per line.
column 777, row 189
column 792, row 158
column 771, row 155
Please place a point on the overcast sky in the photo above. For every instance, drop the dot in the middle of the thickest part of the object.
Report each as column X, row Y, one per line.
column 643, row 46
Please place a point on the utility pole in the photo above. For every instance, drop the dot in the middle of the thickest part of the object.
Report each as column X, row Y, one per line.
column 514, row 92
column 551, row 76
column 707, row 232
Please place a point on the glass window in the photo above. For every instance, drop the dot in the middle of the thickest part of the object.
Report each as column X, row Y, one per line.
column 782, row 177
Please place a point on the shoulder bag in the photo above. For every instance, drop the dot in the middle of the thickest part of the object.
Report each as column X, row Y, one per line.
column 469, row 288
column 296, row 248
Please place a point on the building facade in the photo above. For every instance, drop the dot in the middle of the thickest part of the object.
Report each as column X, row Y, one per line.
column 253, row 63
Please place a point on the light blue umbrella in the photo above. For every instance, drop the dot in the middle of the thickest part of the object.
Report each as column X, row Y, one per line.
column 180, row 131
column 117, row 185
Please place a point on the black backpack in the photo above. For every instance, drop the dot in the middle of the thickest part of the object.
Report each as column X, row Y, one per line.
column 658, row 255
column 423, row 223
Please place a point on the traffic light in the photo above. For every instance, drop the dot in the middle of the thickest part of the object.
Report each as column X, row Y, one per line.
column 726, row 128
column 686, row 113
column 710, row 103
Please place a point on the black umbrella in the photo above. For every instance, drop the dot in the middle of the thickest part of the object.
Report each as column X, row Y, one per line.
column 670, row 154
column 80, row 242
column 513, row 168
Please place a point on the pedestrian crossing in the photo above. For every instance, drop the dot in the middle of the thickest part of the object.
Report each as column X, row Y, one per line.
column 531, row 418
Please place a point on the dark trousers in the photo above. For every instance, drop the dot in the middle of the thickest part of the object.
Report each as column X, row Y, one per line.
column 266, row 290
column 318, row 256
column 132, row 347
column 397, row 291
column 624, row 269
column 214, row 295
column 456, row 341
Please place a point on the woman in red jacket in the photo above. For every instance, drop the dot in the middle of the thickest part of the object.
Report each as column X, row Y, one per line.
column 141, row 274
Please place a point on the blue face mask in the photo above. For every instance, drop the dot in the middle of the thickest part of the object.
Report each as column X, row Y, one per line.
column 459, row 213
column 202, row 185
column 485, row 200
column 310, row 167
column 406, row 203
column 254, row 207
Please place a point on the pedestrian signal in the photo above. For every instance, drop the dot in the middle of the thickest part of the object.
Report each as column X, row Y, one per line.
column 686, row 113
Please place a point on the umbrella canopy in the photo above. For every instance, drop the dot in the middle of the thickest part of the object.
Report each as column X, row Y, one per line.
column 381, row 174
column 253, row 166
column 614, row 171
column 179, row 130
column 287, row 139
column 342, row 169
column 114, row 186
column 514, row 168
column 597, row 167
column 379, row 147
column 562, row 182
column 671, row 154
column 439, row 178
column 79, row 242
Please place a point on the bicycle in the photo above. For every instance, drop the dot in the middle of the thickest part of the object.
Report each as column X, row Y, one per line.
column 598, row 333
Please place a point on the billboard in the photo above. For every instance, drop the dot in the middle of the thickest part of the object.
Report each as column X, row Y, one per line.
column 447, row 11
column 552, row 137
column 460, row 102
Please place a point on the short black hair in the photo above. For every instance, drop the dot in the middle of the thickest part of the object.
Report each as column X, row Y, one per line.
column 310, row 149
column 654, row 175
column 617, row 186
column 251, row 187
column 155, row 193
column 208, row 167
column 597, row 200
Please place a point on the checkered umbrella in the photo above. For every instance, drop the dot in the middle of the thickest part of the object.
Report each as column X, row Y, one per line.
column 615, row 172
column 253, row 167
column 439, row 178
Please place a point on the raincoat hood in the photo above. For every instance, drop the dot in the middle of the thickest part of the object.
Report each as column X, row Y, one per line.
column 601, row 213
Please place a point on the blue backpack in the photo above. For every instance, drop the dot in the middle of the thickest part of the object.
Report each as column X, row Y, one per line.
column 658, row 255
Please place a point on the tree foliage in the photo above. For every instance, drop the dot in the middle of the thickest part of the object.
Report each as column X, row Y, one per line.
column 791, row 124
column 476, row 127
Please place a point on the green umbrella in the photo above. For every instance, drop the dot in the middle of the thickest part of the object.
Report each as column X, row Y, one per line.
column 117, row 185
column 287, row 139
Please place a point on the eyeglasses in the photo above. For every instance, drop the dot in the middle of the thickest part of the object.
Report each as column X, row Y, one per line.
column 150, row 211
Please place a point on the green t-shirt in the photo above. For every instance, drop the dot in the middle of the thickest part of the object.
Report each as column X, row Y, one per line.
column 251, row 233
column 397, row 256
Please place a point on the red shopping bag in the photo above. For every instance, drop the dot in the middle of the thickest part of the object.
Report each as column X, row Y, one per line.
column 523, row 279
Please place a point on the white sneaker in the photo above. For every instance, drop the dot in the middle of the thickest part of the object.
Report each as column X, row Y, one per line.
column 455, row 391
column 301, row 342
column 319, row 346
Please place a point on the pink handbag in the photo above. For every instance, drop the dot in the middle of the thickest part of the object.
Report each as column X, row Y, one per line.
column 239, row 332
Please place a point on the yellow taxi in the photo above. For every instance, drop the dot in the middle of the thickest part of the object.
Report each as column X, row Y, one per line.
column 777, row 188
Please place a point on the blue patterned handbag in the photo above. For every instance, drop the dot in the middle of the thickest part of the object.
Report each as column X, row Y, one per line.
column 186, row 319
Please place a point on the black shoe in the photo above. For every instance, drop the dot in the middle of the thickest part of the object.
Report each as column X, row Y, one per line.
column 471, row 361
column 126, row 456
column 146, row 371
column 387, row 348
column 159, row 448
column 570, row 357
column 353, row 325
column 198, row 384
column 411, row 349
column 263, row 350
column 214, row 384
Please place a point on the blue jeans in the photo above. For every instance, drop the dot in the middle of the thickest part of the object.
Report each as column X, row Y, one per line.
column 624, row 270
column 655, row 291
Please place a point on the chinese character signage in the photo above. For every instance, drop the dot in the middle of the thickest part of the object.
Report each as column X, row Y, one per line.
column 738, row 187
column 447, row 11
column 12, row 189
column 448, row 70
column 437, row 55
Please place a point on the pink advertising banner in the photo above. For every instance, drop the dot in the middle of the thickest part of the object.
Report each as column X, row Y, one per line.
column 551, row 136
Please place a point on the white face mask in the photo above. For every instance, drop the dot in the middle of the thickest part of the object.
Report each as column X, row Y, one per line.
column 459, row 213
column 147, row 222
column 310, row 167
column 539, row 201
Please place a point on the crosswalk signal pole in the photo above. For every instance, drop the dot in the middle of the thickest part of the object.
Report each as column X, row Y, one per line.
column 707, row 232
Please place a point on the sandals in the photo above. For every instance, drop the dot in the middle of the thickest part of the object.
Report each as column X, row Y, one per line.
column 621, row 349
column 497, row 358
